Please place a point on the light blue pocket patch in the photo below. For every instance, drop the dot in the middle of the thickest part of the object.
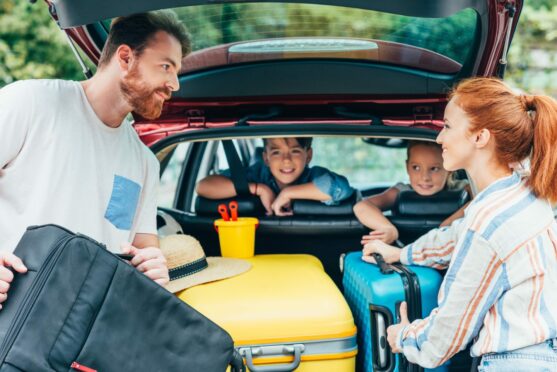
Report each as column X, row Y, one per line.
column 123, row 203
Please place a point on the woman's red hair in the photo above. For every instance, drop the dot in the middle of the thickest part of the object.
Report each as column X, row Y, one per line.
column 521, row 125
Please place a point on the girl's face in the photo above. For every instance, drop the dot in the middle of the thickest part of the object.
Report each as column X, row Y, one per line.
column 425, row 169
column 455, row 139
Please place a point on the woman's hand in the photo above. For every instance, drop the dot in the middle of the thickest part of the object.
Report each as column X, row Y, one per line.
column 390, row 254
column 394, row 330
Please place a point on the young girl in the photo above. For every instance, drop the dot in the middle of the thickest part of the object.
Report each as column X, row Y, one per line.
column 500, row 290
column 424, row 165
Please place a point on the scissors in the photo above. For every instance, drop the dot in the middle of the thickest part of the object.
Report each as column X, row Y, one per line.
column 223, row 211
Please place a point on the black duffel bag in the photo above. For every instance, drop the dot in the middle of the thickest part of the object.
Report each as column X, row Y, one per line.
column 79, row 307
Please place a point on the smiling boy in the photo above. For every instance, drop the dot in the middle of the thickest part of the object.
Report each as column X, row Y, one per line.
column 284, row 176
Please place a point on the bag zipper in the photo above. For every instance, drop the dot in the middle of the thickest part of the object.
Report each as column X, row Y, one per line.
column 47, row 267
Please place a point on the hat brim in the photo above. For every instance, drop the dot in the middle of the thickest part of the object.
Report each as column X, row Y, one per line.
column 218, row 268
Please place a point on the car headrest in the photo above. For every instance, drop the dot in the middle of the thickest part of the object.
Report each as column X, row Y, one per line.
column 251, row 206
column 247, row 206
column 316, row 208
column 444, row 203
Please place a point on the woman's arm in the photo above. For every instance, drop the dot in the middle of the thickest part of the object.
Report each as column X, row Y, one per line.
column 460, row 212
column 470, row 288
column 434, row 249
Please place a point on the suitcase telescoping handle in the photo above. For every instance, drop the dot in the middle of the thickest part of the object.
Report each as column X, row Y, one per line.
column 383, row 266
column 273, row 350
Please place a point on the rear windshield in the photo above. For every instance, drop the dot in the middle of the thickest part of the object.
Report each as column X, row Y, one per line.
column 272, row 31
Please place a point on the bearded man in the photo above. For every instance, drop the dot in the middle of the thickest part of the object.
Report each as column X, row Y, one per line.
column 68, row 156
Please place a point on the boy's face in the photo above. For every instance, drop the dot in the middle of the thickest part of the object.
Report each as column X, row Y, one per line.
column 286, row 159
column 425, row 169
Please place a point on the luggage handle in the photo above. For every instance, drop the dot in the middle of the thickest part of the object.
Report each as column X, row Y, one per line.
column 381, row 318
column 296, row 349
column 383, row 266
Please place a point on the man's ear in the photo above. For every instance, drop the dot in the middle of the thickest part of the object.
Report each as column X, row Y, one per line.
column 481, row 138
column 310, row 155
column 124, row 56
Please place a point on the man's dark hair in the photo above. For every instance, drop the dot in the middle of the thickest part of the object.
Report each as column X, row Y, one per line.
column 305, row 142
column 137, row 30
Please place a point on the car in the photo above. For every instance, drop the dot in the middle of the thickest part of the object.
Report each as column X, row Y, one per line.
column 361, row 77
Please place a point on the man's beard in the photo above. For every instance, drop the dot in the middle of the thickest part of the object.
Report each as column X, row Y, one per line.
column 141, row 97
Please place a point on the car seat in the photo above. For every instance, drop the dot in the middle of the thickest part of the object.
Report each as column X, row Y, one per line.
column 414, row 214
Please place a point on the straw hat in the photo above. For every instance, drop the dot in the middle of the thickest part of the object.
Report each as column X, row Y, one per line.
column 188, row 265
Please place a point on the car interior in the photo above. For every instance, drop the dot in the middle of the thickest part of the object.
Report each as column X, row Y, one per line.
column 327, row 232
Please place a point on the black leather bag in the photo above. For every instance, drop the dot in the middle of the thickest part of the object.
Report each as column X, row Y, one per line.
column 79, row 307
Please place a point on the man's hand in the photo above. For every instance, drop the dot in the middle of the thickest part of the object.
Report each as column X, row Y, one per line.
column 150, row 261
column 6, row 275
column 390, row 254
column 267, row 197
column 394, row 330
column 281, row 205
column 387, row 234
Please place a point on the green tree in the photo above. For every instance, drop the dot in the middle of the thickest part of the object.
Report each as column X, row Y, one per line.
column 31, row 46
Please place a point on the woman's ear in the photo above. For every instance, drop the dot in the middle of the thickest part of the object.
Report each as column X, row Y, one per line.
column 481, row 138
column 310, row 155
column 265, row 157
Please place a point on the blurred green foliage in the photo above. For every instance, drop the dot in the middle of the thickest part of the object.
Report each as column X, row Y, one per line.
column 363, row 164
column 533, row 54
column 216, row 24
column 31, row 45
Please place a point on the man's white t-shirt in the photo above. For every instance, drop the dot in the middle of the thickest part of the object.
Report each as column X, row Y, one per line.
column 60, row 164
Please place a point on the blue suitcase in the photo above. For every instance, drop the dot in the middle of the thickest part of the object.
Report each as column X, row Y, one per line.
column 375, row 297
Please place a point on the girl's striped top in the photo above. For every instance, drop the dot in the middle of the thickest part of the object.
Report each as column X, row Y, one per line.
column 500, row 289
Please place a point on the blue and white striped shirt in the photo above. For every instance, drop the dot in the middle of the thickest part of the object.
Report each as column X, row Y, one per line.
column 500, row 289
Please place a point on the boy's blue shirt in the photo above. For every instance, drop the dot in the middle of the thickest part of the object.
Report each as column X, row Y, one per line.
column 330, row 183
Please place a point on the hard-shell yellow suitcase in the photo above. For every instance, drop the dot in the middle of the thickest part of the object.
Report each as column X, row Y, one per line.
column 284, row 314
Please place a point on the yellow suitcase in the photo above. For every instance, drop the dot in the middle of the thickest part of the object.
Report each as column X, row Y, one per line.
column 284, row 314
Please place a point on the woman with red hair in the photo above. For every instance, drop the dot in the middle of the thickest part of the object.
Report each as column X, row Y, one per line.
column 500, row 289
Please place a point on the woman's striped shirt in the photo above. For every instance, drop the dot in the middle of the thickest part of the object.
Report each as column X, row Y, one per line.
column 500, row 289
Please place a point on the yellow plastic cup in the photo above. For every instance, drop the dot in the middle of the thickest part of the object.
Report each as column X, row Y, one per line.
column 237, row 238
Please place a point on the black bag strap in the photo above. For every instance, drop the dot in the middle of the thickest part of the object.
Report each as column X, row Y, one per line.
column 237, row 171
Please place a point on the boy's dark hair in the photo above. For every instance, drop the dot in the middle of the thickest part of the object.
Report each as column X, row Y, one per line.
column 137, row 30
column 305, row 142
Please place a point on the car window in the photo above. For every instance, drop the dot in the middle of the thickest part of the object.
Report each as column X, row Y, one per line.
column 365, row 165
column 171, row 175
column 273, row 30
